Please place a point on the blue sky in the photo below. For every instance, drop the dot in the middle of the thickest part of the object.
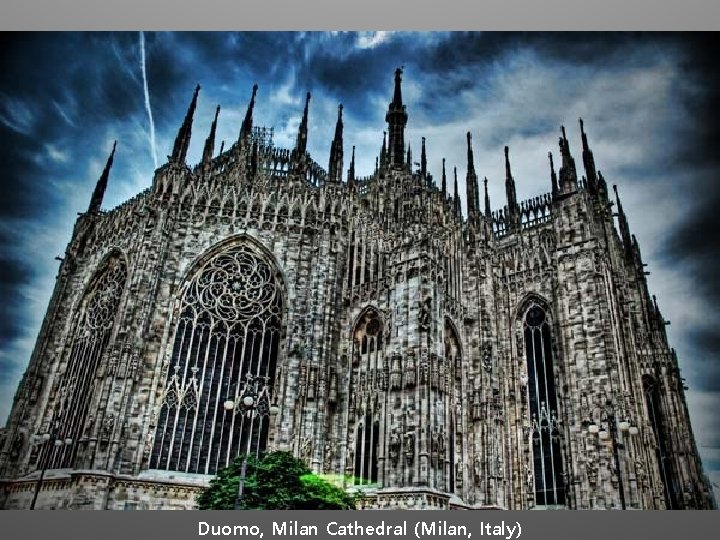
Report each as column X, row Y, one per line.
column 649, row 102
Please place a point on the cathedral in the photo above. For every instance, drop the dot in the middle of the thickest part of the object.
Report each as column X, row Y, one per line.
column 510, row 357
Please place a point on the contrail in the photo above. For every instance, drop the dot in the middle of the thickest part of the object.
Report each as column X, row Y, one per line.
column 147, row 99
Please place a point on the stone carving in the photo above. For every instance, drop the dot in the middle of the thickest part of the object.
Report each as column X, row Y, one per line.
column 395, row 372
column 89, row 427
column 306, row 450
column 410, row 370
column 394, row 447
column 329, row 455
column 409, row 447
column 477, row 469
column 108, row 425
column 425, row 314
column 487, row 356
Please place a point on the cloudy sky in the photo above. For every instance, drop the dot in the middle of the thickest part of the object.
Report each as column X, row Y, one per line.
column 649, row 103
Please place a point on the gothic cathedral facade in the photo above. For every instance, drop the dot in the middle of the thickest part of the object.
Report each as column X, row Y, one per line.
column 505, row 359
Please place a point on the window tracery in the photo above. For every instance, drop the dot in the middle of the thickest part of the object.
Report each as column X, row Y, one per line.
column 229, row 327
column 368, row 379
column 89, row 339
column 546, row 448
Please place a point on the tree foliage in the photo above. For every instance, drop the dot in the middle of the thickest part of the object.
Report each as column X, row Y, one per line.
column 274, row 481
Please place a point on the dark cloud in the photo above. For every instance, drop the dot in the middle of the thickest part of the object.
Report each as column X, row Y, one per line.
column 694, row 247
column 14, row 274
column 700, row 65
column 705, row 364
column 357, row 75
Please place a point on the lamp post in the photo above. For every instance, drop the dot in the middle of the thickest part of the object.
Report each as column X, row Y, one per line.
column 54, row 439
column 254, row 400
column 608, row 429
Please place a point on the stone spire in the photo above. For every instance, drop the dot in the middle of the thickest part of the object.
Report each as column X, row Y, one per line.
column 247, row 123
column 336, row 151
column 351, row 171
column 300, row 151
column 396, row 118
column 471, row 183
column 588, row 161
column 602, row 187
column 409, row 159
column 553, row 177
column 443, row 186
column 301, row 143
column 383, row 152
column 568, row 173
column 182, row 141
column 637, row 254
column 423, row 159
column 513, row 216
column 101, row 186
column 623, row 223
column 456, row 198
column 488, row 211
column 210, row 141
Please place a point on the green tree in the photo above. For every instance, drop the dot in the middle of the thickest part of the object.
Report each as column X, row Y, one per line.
column 274, row 481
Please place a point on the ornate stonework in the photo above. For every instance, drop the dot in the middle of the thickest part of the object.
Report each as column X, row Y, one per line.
column 510, row 359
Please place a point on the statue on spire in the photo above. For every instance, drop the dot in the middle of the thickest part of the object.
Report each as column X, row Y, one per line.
column 588, row 161
column 396, row 118
column 568, row 173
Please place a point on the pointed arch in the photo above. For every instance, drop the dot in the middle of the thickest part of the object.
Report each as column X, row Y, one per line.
column 310, row 214
column 228, row 208
column 296, row 212
column 547, row 456
column 226, row 341
column 368, row 376
column 200, row 204
column 453, row 345
column 89, row 338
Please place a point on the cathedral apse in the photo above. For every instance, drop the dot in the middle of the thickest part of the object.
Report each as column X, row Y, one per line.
column 510, row 356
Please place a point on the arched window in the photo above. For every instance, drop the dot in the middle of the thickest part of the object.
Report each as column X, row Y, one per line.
column 663, row 449
column 227, row 337
column 369, row 377
column 365, row 469
column 92, row 329
column 546, row 449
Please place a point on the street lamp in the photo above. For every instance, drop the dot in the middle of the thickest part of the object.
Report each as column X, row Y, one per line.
column 608, row 429
column 253, row 400
column 54, row 439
